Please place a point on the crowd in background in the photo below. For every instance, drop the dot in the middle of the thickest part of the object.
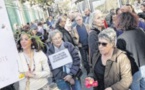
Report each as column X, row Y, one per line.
column 110, row 48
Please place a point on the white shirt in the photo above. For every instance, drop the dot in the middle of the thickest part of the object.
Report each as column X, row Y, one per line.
column 41, row 30
column 42, row 71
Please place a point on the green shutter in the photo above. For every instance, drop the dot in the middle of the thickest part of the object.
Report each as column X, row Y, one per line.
column 12, row 13
column 26, row 12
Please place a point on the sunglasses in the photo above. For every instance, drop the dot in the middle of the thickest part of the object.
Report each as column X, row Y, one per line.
column 102, row 43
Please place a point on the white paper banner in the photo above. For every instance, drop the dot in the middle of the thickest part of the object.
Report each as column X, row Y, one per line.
column 8, row 52
column 60, row 58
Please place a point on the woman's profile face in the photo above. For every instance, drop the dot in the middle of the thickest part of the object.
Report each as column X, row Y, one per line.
column 57, row 40
column 104, row 46
column 99, row 20
column 25, row 42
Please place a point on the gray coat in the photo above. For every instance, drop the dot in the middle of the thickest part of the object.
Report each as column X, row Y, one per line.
column 92, row 42
column 133, row 42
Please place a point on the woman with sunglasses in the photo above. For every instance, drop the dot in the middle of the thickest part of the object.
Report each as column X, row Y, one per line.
column 110, row 66
column 33, row 65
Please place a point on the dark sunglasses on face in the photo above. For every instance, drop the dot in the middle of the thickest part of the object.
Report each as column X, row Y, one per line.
column 102, row 43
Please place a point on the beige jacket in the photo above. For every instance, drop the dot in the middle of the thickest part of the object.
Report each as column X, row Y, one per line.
column 117, row 71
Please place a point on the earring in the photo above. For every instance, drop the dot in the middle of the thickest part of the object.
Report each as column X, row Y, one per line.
column 33, row 47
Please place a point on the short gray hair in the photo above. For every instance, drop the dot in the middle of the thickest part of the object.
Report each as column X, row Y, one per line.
column 108, row 34
column 53, row 33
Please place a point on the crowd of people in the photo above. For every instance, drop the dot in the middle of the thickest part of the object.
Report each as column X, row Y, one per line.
column 111, row 50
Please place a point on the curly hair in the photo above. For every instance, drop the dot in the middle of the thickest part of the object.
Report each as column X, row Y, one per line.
column 37, row 44
column 127, row 21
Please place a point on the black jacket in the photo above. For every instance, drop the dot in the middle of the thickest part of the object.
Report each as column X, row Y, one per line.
column 9, row 87
column 142, row 15
column 66, row 35
column 92, row 41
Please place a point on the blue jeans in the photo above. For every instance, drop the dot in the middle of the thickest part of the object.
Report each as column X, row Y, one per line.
column 139, row 79
column 63, row 85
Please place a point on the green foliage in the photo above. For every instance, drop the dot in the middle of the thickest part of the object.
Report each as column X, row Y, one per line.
column 41, row 2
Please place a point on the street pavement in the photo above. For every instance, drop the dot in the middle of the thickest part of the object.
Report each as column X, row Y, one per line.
column 53, row 86
column 83, row 80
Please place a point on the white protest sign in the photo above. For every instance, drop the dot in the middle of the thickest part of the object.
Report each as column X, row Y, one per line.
column 60, row 58
column 8, row 52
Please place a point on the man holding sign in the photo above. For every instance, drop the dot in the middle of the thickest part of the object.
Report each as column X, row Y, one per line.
column 64, row 61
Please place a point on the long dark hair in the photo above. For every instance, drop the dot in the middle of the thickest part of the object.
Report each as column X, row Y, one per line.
column 131, row 7
column 127, row 21
column 37, row 44
column 117, row 11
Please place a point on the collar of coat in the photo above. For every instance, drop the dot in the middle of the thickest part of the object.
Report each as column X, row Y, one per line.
column 114, row 57
column 95, row 29
column 116, row 53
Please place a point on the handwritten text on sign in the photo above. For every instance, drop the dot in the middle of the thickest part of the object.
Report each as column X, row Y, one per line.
column 60, row 59
column 3, row 59
column 8, row 51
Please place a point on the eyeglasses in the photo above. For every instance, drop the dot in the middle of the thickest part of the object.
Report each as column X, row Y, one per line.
column 104, row 44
